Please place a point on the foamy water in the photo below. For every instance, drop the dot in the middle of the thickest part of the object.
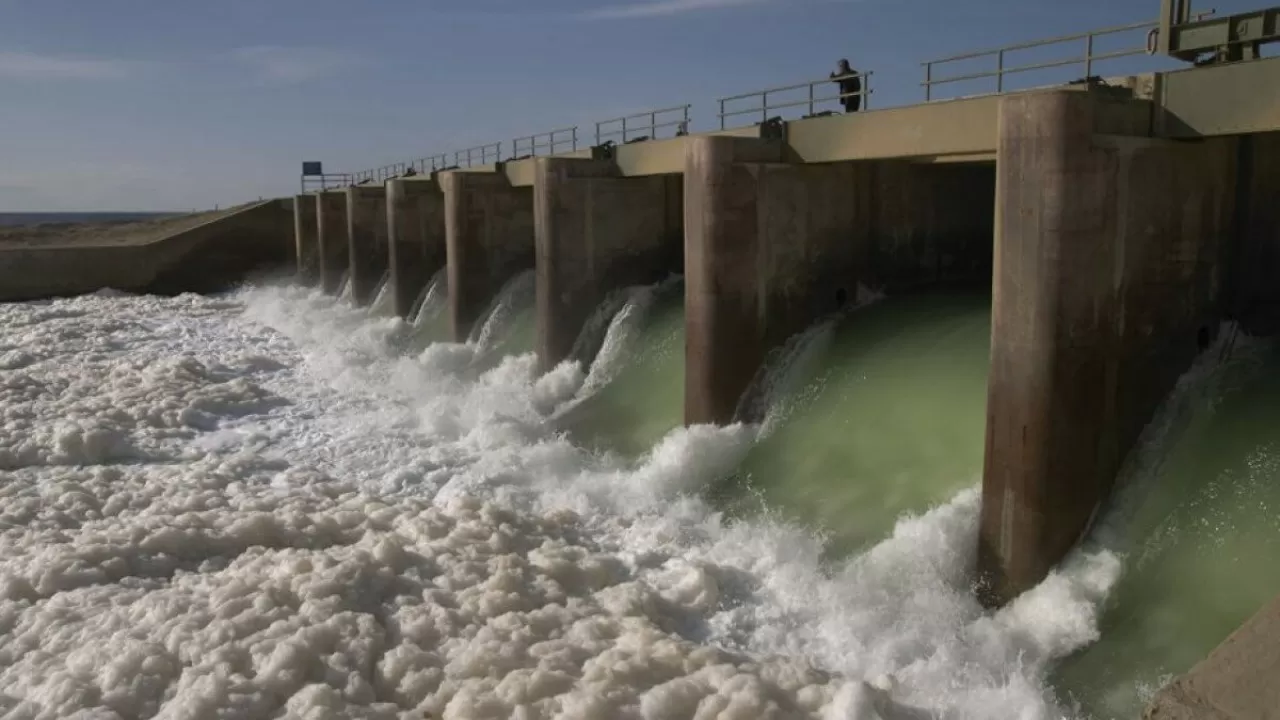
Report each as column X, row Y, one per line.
column 254, row 506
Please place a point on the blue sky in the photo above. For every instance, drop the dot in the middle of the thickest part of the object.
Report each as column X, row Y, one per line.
column 146, row 105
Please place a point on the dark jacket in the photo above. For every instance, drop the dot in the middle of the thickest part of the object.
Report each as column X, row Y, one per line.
column 849, row 83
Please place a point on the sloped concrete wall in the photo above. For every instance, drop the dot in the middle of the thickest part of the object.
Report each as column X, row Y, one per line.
column 208, row 258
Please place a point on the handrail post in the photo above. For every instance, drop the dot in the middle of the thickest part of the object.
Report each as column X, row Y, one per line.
column 1088, row 55
column 764, row 106
column 1000, row 71
column 928, row 81
column 575, row 138
column 624, row 131
column 721, row 114
column 811, row 99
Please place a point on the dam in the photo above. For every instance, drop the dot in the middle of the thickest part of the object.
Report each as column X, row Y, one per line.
column 587, row 406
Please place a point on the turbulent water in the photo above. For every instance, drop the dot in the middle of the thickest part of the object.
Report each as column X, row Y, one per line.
column 635, row 395
column 1199, row 530
column 883, row 413
column 271, row 503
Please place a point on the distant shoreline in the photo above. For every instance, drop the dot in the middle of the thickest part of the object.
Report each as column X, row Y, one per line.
column 12, row 219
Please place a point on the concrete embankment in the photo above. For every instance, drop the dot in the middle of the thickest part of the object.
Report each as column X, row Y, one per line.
column 156, row 258
column 1236, row 681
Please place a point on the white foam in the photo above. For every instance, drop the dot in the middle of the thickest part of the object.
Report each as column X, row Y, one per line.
column 204, row 517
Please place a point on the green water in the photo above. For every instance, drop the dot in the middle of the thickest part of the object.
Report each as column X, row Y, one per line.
column 645, row 400
column 431, row 321
column 514, row 333
column 886, row 417
column 1203, row 542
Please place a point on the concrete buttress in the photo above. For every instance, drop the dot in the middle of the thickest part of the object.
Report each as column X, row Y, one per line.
column 331, row 220
column 489, row 233
column 769, row 248
column 306, row 240
column 1108, row 261
column 366, row 240
column 596, row 232
column 416, row 238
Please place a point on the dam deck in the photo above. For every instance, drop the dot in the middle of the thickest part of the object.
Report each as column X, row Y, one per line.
column 1187, row 104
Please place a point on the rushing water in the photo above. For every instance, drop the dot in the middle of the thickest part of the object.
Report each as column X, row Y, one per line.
column 383, row 303
column 637, row 396
column 885, row 414
column 271, row 502
column 1200, row 531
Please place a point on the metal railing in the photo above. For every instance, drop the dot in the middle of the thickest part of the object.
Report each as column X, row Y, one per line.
column 318, row 183
column 428, row 165
column 812, row 101
column 1087, row 60
column 551, row 141
column 658, row 120
column 478, row 155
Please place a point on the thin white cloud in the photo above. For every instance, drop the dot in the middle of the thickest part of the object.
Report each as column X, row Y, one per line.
column 278, row 64
column 660, row 8
column 35, row 66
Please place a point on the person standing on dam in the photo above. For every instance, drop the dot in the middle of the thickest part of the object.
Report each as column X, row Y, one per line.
column 850, row 86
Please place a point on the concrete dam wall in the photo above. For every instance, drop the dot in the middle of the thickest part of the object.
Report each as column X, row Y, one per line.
column 206, row 258
column 1112, row 250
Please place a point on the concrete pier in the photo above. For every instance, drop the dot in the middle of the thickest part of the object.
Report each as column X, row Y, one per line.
column 489, row 233
column 596, row 232
column 306, row 240
column 1255, row 297
column 331, row 220
column 773, row 246
column 366, row 240
column 416, row 238
column 1109, row 259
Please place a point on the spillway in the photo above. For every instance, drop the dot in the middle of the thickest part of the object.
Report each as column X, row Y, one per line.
column 883, row 415
column 1200, row 534
column 638, row 396
column 428, row 315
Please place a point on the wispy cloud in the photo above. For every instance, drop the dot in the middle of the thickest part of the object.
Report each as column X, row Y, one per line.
column 659, row 8
column 36, row 66
column 277, row 64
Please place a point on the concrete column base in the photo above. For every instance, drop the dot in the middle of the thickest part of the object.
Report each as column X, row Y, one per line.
column 596, row 232
column 366, row 240
column 306, row 240
column 1107, row 266
column 416, row 238
column 489, row 233
column 331, row 221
